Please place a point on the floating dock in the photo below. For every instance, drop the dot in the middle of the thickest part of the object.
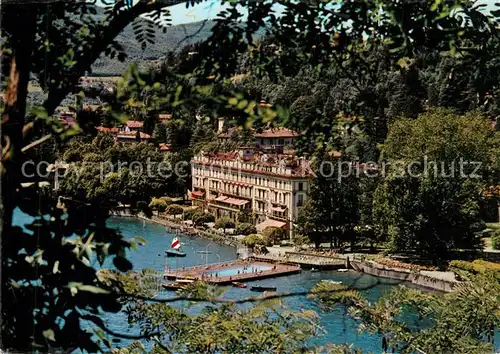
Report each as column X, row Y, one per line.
column 227, row 272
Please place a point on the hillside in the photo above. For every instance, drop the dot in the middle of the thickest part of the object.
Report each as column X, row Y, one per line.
column 175, row 38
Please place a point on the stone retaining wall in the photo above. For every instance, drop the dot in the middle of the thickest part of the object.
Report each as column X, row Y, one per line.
column 379, row 270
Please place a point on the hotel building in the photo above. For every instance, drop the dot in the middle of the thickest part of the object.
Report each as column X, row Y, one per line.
column 271, row 186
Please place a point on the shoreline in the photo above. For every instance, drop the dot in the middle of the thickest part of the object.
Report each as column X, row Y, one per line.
column 428, row 281
column 199, row 233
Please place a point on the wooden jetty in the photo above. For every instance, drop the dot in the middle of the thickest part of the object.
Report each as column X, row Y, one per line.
column 232, row 271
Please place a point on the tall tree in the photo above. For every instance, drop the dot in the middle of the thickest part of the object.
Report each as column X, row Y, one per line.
column 435, row 171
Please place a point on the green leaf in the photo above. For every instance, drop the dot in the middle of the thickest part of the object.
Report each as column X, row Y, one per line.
column 93, row 289
column 49, row 334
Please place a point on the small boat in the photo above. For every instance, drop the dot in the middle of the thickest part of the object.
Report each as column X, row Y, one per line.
column 175, row 253
column 343, row 270
column 263, row 288
column 333, row 281
column 239, row 285
column 176, row 285
column 175, row 249
column 204, row 252
column 314, row 270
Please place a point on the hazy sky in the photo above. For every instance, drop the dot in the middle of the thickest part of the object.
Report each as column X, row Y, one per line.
column 210, row 9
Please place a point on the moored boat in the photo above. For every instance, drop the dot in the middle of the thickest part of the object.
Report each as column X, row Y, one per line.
column 175, row 253
column 176, row 285
column 263, row 288
column 175, row 249
column 239, row 285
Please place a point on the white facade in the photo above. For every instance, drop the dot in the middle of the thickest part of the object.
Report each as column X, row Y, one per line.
column 272, row 189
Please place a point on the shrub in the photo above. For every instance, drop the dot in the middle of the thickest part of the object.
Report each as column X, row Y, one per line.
column 158, row 204
column 301, row 240
column 245, row 229
column 203, row 218
column 174, row 209
column 273, row 234
column 224, row 223
column 190, row 214
column 143, row 207
column 495, row 240
column 245, row 217
column 465, row 269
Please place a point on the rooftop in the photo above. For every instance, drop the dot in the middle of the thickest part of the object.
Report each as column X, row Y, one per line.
column 269, row 164
column 164, row 116
column 105, row 130
column 265, row 134
column 165, row 147
column 133, row 135
column 277, row 133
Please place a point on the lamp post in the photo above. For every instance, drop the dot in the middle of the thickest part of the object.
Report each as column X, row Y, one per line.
column 206, row 252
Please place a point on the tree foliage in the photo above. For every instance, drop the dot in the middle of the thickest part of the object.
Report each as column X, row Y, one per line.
column 429, row 199
column 47, row 285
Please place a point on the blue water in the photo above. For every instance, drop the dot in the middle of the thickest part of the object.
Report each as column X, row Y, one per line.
column 229, row 272
column 339, row 328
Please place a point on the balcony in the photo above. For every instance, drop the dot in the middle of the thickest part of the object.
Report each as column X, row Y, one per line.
column 278, row 217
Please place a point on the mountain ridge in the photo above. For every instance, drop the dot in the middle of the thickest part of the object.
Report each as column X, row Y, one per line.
column 174, row 39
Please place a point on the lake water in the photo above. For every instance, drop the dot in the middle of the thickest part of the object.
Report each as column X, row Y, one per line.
column 339, row 327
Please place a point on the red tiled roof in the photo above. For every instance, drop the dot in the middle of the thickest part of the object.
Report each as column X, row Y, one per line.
column 165, row 147
column 267, row 133
column 229, row 133
column 107, row 130
column 164, row 116
column 135, row 124
column 132, row 135
column 197, row 194
column 334, row 153
column 277, row 133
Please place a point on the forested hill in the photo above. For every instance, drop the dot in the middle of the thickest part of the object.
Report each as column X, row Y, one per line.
column 175, row 38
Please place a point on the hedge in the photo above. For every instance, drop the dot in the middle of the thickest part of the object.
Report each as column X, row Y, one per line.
column 495, row 240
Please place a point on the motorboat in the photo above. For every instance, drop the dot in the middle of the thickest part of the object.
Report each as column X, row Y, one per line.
column 343, row 270
column 263, row 288
column 239, row 285
column 332, row 281
column 314, row 270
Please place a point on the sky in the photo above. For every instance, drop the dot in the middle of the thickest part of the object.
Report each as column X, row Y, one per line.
column 209, row 10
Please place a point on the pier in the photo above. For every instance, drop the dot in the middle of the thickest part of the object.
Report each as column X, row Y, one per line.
column 227, row 272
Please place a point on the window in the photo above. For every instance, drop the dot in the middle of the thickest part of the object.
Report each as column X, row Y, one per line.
column 281, row 142
column 301, row 186
column 300, row 200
